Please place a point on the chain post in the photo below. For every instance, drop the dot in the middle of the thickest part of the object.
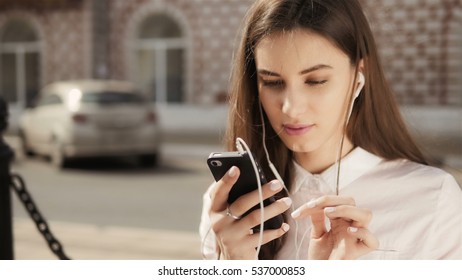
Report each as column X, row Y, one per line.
column 19, row 187
column 6, row 156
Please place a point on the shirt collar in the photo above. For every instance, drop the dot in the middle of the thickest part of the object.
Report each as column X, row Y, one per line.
column 352, row 166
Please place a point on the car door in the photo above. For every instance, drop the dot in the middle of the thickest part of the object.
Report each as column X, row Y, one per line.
column 41, row 121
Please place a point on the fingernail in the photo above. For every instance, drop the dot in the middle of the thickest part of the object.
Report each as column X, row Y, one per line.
column 287, row 201
column 295, row 214
column 329, row 209
column 285, row 227
column 353, row 229
column 275, row 186
column 310, row 204
column 232, row 171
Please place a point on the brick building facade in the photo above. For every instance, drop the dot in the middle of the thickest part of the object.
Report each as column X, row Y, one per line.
column 420, row 42
column 179, row 51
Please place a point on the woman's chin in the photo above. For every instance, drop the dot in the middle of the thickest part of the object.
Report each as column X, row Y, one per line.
column 300, row 146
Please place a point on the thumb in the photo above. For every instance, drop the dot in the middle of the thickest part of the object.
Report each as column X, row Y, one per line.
column 219, row 195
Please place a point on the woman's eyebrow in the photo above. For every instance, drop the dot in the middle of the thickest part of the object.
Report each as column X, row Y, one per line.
column 315, row 68
column 265, row 72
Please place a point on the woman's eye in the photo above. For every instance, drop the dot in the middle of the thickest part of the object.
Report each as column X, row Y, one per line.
column 272, row 83
column 316, row 82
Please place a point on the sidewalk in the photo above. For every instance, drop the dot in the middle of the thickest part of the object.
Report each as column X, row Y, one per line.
column 90, row 242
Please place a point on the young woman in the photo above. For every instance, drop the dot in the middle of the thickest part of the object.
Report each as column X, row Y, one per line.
column 307, row 83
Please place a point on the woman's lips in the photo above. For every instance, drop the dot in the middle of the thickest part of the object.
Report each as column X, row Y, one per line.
column 295, row 130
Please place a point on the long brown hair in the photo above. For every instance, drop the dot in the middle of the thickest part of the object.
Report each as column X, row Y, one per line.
column 375, row 124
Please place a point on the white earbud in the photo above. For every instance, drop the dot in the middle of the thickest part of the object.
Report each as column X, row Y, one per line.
column 361, row 82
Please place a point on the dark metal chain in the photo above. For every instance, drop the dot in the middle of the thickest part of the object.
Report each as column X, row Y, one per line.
column 17, row 183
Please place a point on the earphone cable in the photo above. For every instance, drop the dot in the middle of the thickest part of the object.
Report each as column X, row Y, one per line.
column 239, row 142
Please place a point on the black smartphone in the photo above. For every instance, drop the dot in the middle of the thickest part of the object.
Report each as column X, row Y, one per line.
column 220, row 163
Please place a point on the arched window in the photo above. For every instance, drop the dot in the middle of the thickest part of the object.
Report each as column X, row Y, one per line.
column 159, row 53
column 19, row 63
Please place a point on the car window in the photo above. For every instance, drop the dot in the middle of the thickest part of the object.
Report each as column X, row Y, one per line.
column 111, row 98
column 47, row 100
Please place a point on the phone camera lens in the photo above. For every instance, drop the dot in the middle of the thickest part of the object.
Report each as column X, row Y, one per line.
column 216, row 163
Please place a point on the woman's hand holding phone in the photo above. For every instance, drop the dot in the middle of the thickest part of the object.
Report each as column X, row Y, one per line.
column 348, row 237
column 235, row 237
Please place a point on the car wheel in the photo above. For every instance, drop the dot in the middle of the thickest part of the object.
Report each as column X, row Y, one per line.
column 23, row 142
column 58, row 159
column 150, row 160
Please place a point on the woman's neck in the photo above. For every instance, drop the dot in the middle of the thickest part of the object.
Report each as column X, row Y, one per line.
column 321, row 159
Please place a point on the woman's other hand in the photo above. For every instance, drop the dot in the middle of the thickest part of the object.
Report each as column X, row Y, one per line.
column 348, row 237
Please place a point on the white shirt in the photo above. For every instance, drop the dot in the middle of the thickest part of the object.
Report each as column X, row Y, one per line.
column 417, row 209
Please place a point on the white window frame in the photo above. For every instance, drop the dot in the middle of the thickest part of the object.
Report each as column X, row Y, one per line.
column 160, row 46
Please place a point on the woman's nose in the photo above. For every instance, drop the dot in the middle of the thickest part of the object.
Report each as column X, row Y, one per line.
column 293, row 104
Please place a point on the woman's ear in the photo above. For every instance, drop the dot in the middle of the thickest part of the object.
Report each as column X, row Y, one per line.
column 360, row 68
column 361, row 79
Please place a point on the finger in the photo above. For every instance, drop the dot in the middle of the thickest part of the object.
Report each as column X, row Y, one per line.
column 317, row 204
column 361, row 217
column 334, row 200
column 269, row 235
column 278, row 207
column 316, row 215
column 365, row 237
column 219, row 194
column 245, row 202
column 318, row 226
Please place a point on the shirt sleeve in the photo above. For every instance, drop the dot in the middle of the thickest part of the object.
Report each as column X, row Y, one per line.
column 446, row 240
column 208, row 242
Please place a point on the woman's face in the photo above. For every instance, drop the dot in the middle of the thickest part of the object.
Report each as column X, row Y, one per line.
column 305, row 83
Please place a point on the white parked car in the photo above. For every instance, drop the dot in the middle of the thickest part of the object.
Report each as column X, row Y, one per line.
column 91, row 118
